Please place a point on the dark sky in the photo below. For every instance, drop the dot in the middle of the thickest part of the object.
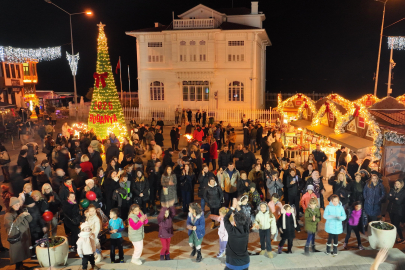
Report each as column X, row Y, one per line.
column 318, row 45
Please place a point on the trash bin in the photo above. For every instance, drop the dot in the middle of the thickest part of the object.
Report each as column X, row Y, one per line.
column 211, row 120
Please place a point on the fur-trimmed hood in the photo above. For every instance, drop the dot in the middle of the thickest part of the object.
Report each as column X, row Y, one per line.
column 191, row 215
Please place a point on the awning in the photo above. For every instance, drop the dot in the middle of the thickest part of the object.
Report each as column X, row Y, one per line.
column 351, row 141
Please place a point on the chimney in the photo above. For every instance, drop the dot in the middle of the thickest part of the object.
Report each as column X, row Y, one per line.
column 157, row 24
column 255, row 8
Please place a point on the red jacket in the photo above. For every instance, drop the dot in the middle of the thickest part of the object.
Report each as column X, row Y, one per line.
column 305, row 200
column 214, row 150
column 198, row 135
column 87, row 168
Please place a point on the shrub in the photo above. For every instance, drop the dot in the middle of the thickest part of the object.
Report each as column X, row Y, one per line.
column 382, row 226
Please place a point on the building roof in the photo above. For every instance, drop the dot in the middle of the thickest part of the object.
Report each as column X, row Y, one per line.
column 154, row 29
column 322, row 101
column 235, row 26
column 391, row 117
column 394, row 129
column 387, row 103
column 235, row 11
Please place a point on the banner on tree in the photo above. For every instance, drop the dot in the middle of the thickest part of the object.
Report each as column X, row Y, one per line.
column 102, row 119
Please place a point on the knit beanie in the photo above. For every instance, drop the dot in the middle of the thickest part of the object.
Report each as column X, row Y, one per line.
column 14, row 201
column 310, row 187
column 89, row 180
column 84, row 225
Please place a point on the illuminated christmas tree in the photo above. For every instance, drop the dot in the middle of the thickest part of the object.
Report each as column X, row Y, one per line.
column 105, row 108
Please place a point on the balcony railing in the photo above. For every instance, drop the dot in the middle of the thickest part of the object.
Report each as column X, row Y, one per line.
column 194, row 23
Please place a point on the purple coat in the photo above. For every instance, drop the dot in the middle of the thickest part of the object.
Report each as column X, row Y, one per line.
column 166, row 224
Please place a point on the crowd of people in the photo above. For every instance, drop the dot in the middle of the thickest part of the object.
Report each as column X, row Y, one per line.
column 242, row 193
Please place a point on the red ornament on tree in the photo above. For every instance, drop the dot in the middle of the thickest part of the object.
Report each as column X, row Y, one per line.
column 100, row 78
column 91, row 196
column 47, row 216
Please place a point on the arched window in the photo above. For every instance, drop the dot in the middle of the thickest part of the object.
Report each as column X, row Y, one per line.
column 236, row 91
column 203, row 51
column 157, row 91
column 183, row 51
column 193, row 51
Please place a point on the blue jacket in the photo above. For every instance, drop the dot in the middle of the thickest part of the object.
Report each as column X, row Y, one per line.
column 334, row 216
column 373, row 197
column 199, row 223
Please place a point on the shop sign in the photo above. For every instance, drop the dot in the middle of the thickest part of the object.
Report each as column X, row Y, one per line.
column 361, row 123
column 298, row 103
column 369, row 103
column 331, row 116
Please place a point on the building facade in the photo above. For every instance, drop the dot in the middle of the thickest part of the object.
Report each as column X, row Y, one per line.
column 206, row 59
column 12, row 83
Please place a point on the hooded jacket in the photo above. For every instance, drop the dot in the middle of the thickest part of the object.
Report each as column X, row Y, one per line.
column 305, row 200
column 334, row 216
column 224, row 158
column 213, row 196
column 203, row 180
column 199, row 222
column 363, row 221
column 238, row 238
column 166, row 224
column 287, row 224
column 86, row 245
column 310, row 224
column 230, row 184
column 266, row 220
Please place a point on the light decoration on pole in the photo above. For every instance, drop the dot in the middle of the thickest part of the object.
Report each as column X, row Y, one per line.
column 279, row 99
column 20, row 55
column 396, row 43
column 73, row 62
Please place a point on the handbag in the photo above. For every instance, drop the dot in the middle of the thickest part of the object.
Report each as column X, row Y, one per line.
column 15, row 238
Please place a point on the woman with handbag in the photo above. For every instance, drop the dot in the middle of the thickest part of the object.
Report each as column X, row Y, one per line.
column 72, row 219
column 141, row 190
column 169, row 190
column 18, row 233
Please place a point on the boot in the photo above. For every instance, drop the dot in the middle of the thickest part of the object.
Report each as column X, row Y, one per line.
column 335, row 252
column 327, row 249
column 289, row 251
column 193, row 252
column 155, row 212
column 162, row 257
column 306, row 250
column 167, row 257
column 262, row 252
column 270, row 254
column 280, row 250
column 313, row 249
column 199, row 256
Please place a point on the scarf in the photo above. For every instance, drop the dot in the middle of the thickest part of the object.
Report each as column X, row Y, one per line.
column 87, row 238
column 317, row 184
column 284, row 214
column 70, row 188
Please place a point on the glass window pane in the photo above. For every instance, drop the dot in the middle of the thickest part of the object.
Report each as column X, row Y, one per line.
column 185, row 93
column 151, row 93
column 192, row 93
column 7, row 70
column 12, row 70
column 17, row 67
column 199, row 93
column 206, row 94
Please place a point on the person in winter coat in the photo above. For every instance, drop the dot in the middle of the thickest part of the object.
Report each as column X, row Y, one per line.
column 213, row 197
column 94, row 219
column 95, row 159
column 293, row 185
column 203, row 179
column 307, row 197
column 196, row 230
column 229, row 183
column 222, row 233
column 110, row 186
column 198, row 134
column 357, row 221
column 353, row 166
column 18, row 222
column 154, row 178
column 213, row 155
column 274, row 184
column 275, row 206
column 167, row 159
column 254, row 196
column 67, row 188
column 356, row 188
column 231, row 137
column 396, row 207
column 374, row 194
column 265, row 222
column 137, row 220
column 243, row 184
column 224, row 157
column 334, row 215
column 40, row 202
column 286, row 225
column 169, row 188
column 115, row 227
column 54, row 203
column 340, row 188
column 312, row 218
column 71, row 221
column 90, row 186
column 319, row 189
column 86, row 246
column 140, row 190
column 186, row 183
column 165, row 221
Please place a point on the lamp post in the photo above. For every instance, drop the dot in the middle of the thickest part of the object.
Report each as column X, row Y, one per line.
column 379, row 48
column 71, row 43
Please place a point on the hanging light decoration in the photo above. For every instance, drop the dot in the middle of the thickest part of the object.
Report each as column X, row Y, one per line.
column 19, row 55
column 396, row 43
column 73, row 62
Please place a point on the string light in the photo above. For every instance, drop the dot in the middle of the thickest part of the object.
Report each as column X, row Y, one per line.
column 401, row 99
column 79, row 127
column 367, row 97
column 73, row 62
column 396, row 43
column 107, row 95
column 19, row 55
column 120, row 131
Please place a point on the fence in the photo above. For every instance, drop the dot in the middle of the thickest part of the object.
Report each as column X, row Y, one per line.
column 233, row 116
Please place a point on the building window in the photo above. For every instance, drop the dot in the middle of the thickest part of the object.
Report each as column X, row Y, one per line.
column 236, row 51
column 34, row 70
column 7, row 70
column 196, row 91
column 155, row 52
column 17, row 68
column 26, row 69
column 12, row 70
column 193, row 51
column 183, row 51
column 203, row 51
column 157, row 91
column 5, row 97
column 236, row 91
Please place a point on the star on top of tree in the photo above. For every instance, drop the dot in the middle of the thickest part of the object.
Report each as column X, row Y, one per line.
column 101, row 25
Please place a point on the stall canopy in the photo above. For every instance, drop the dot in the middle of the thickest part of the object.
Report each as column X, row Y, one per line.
column 351, row 141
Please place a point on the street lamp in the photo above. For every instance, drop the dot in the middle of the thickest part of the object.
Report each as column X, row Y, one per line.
column 71, row 42
column 379, row 48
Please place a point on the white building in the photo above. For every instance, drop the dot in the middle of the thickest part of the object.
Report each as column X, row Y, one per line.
column 207, row 59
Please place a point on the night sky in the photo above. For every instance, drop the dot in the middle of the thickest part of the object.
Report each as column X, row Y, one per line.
column 318, row 45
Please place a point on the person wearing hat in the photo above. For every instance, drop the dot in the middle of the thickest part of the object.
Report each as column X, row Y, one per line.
column 90, row 186
column 307, row 197
column 16, row 223
column 254, row 196
column 86, row 246
column 24, row 164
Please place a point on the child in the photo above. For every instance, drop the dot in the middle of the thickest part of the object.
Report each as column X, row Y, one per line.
column 196, row 229
column 86, row 246
column 254, row 197
column 334, row 215
column 6, row 194
column 357, row 221
column 312, row 217
column 246, row 209
column 223, row 234
column 137, row 220
column 116, row 226
column 286, row 225
column 275, row 205
column 266, row 223
column 94, row 221
column 165, row 221
column 307, row 197
column 213, row 197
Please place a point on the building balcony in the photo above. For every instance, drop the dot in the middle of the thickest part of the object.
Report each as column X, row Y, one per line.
column 194, row 24
column 30, row 79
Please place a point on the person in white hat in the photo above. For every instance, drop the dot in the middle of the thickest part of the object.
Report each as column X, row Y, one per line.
column 307, row 196
column 86, row 246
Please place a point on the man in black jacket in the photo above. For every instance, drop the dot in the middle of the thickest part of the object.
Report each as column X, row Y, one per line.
column 198, row 117
column 58, row 180
column 112, row 152
column 63, row 160
column 259, row 136
column 189, row 128
column 161, row 124
column 247, row 160
column 224, row 157
column 80, row 179
column 95, row 159
column 173, row 138
column 204, row 118
column 127, row 149
column 238, row 237
column 203, row 179
column 167, row 159
column 159, row 137
column 150, row 165
column 23, row 163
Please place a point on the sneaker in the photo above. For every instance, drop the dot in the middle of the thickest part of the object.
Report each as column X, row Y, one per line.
column 270, row 254
column 221, row 254
column 345, row 246
column 112, row 261
column 334, row 254
column 361, row 247
column 137, row 262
